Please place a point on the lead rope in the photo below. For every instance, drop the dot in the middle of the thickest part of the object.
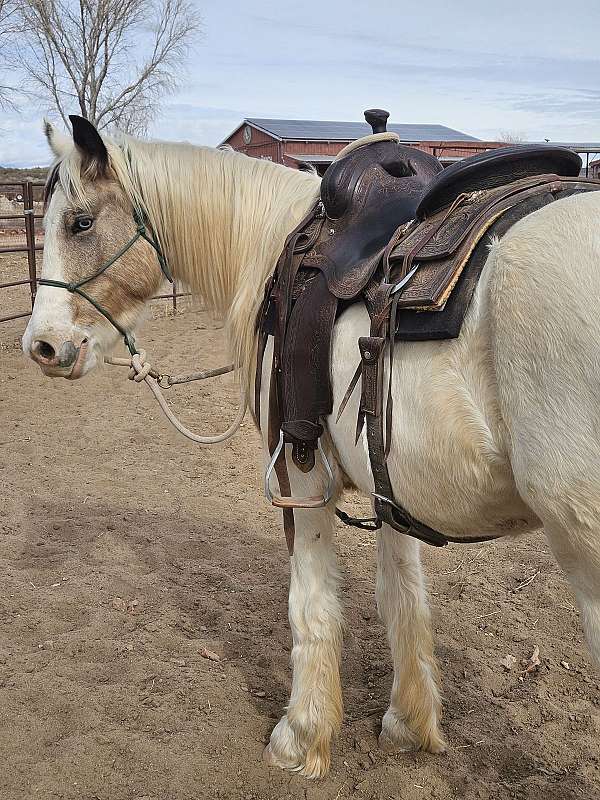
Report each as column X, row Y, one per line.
column 141, row 370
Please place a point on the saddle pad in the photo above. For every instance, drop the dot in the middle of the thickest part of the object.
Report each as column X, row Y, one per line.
column 436, row 299
column 441, row 234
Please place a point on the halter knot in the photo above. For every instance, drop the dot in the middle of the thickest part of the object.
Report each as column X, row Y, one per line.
column 140, row 369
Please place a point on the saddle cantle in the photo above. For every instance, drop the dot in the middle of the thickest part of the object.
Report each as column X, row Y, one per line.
column 496, row 168
column 410, row 241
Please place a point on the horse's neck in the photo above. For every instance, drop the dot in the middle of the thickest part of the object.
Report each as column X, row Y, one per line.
column 237, row 212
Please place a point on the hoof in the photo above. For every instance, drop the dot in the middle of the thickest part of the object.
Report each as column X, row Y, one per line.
column 402, row 742
column 397, row 737
column 285, row 752
column 276, row 760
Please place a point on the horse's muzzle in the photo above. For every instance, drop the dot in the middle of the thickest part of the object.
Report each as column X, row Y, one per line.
column 56, row 359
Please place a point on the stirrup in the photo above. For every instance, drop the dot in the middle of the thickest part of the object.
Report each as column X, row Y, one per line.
column 302, row 502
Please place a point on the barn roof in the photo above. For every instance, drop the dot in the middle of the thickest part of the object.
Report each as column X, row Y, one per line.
column 317, row 130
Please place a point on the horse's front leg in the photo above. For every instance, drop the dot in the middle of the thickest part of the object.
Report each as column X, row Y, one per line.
column 301, row 740
column 412, row 720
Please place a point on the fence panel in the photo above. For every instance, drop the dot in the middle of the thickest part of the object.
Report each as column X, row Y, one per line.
column 23, row 193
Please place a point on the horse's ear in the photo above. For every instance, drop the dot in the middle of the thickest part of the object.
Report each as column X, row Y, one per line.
column 59, row 143
column 89, row 143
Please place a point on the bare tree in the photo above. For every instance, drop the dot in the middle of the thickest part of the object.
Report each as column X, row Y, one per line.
column 111, row 60
column 511, row 137
column 8, row 28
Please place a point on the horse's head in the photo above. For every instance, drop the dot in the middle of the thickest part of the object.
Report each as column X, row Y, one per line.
column 95, row 246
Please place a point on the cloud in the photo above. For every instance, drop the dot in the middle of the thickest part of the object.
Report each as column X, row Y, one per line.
column 22, row 141
column 470, row 67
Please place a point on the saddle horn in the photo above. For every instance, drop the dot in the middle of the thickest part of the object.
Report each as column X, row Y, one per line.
column 377, row 119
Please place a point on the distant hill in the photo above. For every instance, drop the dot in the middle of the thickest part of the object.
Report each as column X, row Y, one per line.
column 20, row 175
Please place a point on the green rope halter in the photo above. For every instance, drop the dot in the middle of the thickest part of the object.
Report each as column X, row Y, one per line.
column 75, row 287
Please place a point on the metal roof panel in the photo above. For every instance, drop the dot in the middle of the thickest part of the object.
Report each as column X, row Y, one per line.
column 317, row 130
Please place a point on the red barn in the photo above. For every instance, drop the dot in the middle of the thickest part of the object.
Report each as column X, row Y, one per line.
column 294, row 142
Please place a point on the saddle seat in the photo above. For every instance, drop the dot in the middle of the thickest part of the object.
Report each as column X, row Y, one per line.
column 373, row 186
column 496, row 168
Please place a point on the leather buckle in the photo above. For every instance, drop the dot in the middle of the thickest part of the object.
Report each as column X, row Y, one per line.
column 303, row 456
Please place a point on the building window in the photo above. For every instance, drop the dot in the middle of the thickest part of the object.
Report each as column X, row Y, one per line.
column 247, row 134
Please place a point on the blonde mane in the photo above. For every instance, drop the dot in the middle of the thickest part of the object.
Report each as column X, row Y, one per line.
column 220, row 217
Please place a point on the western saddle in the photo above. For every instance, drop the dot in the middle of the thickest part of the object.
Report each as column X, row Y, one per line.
column 396, row 231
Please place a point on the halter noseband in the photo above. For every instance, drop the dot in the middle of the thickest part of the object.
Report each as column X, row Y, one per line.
column 142, row 232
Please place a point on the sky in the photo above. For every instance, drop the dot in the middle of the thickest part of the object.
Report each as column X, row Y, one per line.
column 531, row 68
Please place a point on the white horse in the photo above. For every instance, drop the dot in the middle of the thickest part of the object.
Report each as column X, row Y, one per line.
column 496, row 432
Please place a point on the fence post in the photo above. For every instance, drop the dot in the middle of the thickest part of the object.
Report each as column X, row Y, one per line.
column 28, row 213
column 174, row 297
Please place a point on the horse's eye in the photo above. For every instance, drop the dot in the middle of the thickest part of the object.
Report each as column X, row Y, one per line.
column 82, row 224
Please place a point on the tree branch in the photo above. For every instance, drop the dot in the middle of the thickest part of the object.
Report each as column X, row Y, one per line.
column 87, row 50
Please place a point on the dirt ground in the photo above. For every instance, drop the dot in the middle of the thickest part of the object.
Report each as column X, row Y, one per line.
column 125, row 550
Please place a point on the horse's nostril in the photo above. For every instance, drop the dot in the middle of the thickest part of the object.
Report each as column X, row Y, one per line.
column 45, row 351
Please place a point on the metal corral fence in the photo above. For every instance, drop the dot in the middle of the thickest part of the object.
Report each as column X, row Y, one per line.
column 27, row 194
column 23, row 193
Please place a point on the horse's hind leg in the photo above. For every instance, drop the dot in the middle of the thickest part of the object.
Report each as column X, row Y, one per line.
column 301, row 740
column 557, row 470
column 545, row 305
column 577, row 550
column 563, row 488
column 411, row 721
